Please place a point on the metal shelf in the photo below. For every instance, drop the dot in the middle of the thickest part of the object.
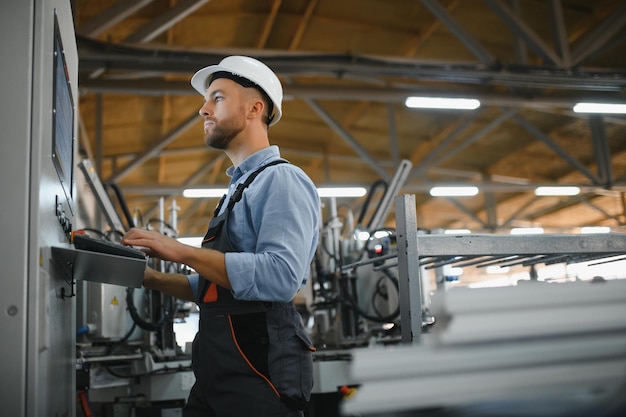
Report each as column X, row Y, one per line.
column 430, row 251
column 99, row 267
column 516, row 351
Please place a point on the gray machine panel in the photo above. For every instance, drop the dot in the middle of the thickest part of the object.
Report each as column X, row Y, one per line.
column 38, row 320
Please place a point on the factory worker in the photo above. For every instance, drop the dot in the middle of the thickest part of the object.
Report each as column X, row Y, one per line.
column 251, row 355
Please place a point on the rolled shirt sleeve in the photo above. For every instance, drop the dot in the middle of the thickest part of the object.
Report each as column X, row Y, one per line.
column 193, row 283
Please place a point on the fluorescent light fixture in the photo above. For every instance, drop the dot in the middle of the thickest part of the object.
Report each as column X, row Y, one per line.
column 557, row 191
column 527, row 231
column 191, row 241
column 454, row 271
column 457, row 232
column 612, row 108
column 453, row 191
column 341, row 191
column 204, row 192
column 595, row 229
column 442, row 103
column 495, row 269
column 323, row 192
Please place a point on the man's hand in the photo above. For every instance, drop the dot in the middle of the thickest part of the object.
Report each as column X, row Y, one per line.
column 209, row 263
column 154, row 244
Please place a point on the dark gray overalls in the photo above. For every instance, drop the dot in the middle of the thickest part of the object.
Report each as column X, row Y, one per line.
column 250, row 358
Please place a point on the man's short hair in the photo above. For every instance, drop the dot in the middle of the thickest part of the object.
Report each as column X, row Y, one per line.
column 246, row 83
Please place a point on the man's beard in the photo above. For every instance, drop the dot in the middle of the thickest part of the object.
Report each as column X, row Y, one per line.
column 224, row 132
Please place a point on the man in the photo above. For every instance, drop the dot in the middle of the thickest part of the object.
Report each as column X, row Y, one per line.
column 251, row 356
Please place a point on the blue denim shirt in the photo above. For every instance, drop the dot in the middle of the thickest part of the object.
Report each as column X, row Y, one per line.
column 274, row 228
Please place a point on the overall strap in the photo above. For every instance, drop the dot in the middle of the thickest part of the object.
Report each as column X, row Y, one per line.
column 238, row 193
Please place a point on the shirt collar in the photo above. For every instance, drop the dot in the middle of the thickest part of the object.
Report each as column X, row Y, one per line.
column 256, row 160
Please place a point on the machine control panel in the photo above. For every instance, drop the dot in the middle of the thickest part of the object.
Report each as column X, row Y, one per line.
column 62, row 217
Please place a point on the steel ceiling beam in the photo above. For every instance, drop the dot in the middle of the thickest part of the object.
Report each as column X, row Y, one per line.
column 428, row 161
column 560, row 32
column 491, row 208
column 393, row 135
column 157, row 87
column 188, row 182
column 599, row 36
column 531, row 79
column 94, row 55
column 467, row 211
column 559, row 205
column 556, row 148
column 599, row 209
column 521, row 52
column 486, row 129
column 601, row 150
column 521, row 29
column 469, row 41
column 347, row 137
column 522, row 208
column 156, row 147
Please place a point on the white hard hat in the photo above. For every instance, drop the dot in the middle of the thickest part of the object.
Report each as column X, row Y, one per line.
column 250, row 69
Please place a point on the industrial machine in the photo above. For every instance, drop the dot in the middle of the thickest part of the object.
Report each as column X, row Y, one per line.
column 77, row 327
column 352, row 306
column 538, row 348
column 132, row 363
column 82, row 336
column 129, row 361
column 40, row 86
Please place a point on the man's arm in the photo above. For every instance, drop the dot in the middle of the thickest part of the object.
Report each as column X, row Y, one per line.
column 208, row 263
column 176, row 285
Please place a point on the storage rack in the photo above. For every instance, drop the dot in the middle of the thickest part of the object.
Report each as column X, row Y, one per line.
column 429, row 251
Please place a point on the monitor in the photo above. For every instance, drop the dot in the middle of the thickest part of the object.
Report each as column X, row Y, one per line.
column 62, row 119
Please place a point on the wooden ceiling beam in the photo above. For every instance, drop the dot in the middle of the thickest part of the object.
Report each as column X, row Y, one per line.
column 269, row 24
column 304, row 23
column 110, row 17
column 165, row 21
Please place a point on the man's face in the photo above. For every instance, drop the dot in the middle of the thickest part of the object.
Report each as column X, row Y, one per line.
column 223, row 112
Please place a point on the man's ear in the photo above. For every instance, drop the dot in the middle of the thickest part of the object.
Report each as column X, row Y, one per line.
column 256, row 108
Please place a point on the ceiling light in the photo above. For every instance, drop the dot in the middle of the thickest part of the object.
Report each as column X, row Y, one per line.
column 495, row 269
column 557, row 191
column 613, row 108
column 595, row 229
column 527, row 231
column 341, row 191
column 323, row 192
column 442, row 103
column 457, row 232
column 204, row 192
column 191, row 241
column 453, row 191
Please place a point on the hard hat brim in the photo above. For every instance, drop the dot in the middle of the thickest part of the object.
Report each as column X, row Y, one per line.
column 199, row 79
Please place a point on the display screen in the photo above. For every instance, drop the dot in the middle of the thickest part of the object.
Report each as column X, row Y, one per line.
column 62, row 119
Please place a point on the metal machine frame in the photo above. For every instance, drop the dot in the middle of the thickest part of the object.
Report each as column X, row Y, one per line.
column 516, row 350
column 416, row 251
